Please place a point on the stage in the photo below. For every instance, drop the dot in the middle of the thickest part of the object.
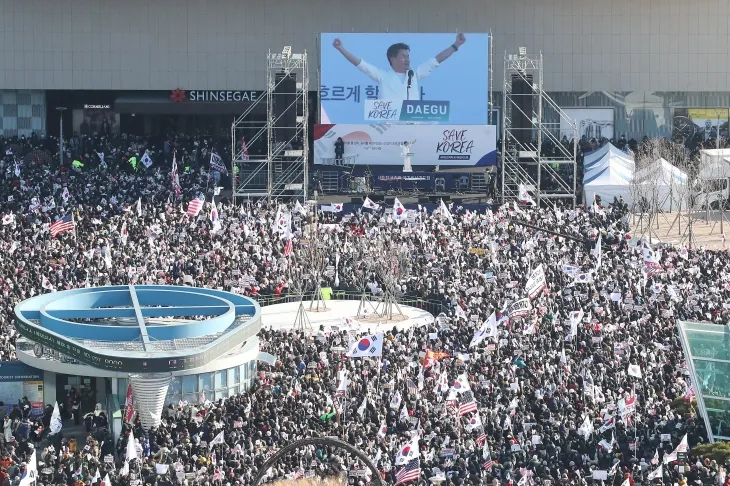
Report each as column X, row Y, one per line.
column 387, row 180
column 339, row 315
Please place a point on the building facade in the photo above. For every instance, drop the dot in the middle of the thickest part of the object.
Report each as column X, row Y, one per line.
column 643, row 60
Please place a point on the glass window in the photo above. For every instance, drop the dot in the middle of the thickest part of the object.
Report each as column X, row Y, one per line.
column 191, row 397
column 122, row 391
column 720, row 422
column 174, row 393
column 714, row 377
column 223, row 393
column 221, row 379
column 244, row 373
column 205, row 383
column 190, row 384
column 233, row 391
column 252, row 369
column 232, row 378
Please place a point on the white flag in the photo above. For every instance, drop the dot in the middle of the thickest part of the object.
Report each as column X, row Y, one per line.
column 575, row 318
column 298, row 208
column 657, row 473
column 474, row 423
column 56, row 420
column 371, row 345
column 342, row 388
column 635, row 371
column 146, row 160
column 31, row 471
column 461, row 384
column 582, row 278
column 363, row 407
column 586, row 429
column 407, row 452
column 139, row 207
column 332, row 208
column 683, row 445
column 395, row 401
column 131, row 452
column 524, row 196
column 399, row 211
column 369, row 204
column 218, row 439
column 445, row 212
column 403, row 413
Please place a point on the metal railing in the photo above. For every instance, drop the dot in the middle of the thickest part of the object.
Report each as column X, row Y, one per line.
column 432, row 306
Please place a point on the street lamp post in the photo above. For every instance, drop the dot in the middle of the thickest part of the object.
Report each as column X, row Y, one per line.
column 60, row 110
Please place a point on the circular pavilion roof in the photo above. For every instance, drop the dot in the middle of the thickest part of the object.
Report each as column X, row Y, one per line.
column 140, row 328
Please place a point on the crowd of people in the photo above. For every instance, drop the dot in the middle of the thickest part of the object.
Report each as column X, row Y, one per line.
column 584, row 378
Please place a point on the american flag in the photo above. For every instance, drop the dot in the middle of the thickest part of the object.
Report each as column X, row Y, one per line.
column 481, row 438
column 62, row 224
column 298, row 475
column 488, row 465
column 468, row 404
column 411, row 472
column 412, row 388
column 288, row 248
column 194, row 207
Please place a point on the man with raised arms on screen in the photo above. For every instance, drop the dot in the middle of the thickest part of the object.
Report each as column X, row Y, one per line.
column 400, row 82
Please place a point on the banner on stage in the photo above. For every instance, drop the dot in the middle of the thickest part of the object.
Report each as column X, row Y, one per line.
column 443, row 145
column 394, row 111
column 365, row 78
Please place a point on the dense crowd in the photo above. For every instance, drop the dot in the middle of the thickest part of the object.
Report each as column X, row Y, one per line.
column 588, row 377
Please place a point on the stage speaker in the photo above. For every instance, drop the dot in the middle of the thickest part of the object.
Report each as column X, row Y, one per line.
column 285, row 107
column 357, row 200
column 424, row 200
column 389, row 201
column 522, row 96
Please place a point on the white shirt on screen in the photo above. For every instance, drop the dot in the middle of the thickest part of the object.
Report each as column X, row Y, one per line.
column 394, row 86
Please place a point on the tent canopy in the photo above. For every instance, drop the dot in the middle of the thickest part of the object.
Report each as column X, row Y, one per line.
column 608, row 173
column 595, row 158
column 714, row 164
column 663, row 172
column 661, row 185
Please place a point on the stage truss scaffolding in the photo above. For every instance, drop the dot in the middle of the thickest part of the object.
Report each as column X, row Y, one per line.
column 543, row 165
column 282, row 172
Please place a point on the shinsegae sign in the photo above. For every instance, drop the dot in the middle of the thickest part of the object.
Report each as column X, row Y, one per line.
column 225, row 96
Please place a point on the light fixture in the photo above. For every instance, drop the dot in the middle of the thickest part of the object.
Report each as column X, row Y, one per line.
column 523, row 51
column 286, row 52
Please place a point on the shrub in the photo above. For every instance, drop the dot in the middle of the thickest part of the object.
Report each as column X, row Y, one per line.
column 719, row 451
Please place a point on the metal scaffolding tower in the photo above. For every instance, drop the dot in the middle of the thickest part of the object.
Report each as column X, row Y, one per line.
column 283, row 171
column 532, row 154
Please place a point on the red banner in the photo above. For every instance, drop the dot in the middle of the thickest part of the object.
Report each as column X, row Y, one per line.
column 129, row 405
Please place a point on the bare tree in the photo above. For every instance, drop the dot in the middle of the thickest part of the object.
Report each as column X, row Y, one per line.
column 392, row 268
column 645, row 185
column 306, row 272
column 363, row 267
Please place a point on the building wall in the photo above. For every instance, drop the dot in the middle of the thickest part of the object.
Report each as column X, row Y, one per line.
column 589, row 45
column 22, row 112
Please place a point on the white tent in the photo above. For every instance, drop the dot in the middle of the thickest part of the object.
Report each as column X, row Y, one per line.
column 714, row 164
column 608, row 173
column 663, row 183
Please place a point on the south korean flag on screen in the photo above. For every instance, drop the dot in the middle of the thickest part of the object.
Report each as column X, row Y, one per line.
column 367, row 346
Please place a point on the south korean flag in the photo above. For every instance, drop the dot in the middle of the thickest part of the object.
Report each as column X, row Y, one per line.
column 371, row 345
